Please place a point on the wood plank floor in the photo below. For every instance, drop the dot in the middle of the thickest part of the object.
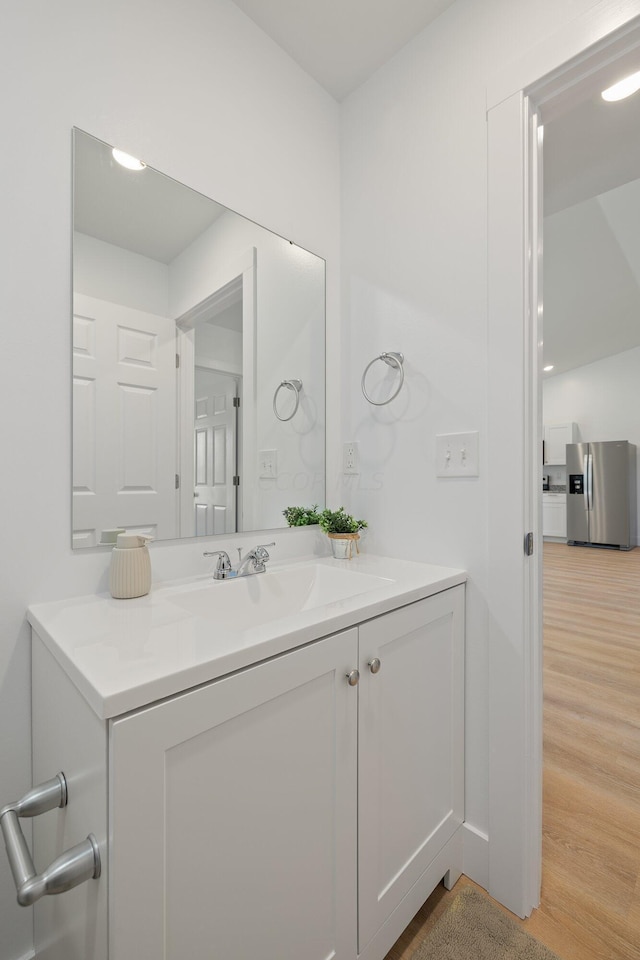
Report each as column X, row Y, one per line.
column 590, row 904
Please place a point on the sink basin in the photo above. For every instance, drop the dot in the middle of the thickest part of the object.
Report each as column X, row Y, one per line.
column 261, row 598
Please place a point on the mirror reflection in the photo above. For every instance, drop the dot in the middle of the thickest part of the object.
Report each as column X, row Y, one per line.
column 198, row 360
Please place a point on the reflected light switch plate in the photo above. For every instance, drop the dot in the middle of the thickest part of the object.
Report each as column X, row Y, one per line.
column 457, row 454
column 268, row 464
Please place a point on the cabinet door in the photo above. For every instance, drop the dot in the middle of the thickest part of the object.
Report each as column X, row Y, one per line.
column 233, row 816
column 556, row 438
column 411, row 735
column 554, row 515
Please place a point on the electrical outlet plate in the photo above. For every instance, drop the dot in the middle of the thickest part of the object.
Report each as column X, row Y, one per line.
column 268, row 464
column 457, row 454
column 350, row 458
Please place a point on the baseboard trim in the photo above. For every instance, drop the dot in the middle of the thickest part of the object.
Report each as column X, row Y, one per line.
column 475, row 855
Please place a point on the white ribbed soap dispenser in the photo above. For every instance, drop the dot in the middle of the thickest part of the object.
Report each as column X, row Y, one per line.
column 130, row 571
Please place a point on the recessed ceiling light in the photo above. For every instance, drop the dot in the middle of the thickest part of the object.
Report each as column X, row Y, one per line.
column 624, row 88
column 549, row 367
column 126, row 160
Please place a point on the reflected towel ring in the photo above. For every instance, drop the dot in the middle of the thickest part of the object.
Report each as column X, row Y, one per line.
column 394, row 360
column 296, row 386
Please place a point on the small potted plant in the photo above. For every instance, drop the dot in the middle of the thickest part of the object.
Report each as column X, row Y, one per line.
column 343, row 531
column 301, row 516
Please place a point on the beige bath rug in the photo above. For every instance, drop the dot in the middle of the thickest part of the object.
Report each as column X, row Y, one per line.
column 474, row 929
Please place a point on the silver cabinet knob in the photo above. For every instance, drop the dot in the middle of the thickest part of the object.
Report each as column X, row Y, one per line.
column 353, row 677
column 374, row 665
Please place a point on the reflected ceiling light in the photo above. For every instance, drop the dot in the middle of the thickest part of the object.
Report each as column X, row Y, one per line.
column 624, row 88
column 547, row 368
column 126, row 160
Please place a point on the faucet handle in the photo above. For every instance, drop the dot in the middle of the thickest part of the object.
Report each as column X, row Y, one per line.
column 223, row 566
column 218, row 553
column 262, row 552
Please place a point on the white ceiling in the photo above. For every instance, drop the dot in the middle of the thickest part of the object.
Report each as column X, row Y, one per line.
column 145, row 212
column 593, row 148
column 342, row 42
column 591, row 162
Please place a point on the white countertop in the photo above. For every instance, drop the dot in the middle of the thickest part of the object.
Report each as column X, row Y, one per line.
column 125, row 654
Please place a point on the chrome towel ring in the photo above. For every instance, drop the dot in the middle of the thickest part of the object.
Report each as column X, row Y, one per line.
column 296, row 386
column 394, row 360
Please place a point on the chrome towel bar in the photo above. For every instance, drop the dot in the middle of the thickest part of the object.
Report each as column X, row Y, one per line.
column 71, row 868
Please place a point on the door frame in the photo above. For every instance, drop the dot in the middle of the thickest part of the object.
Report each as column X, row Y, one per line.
column 542, row 85
column 238, row 277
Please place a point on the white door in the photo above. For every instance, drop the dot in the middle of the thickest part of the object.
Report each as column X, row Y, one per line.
column 124, row 421
column 411, row 749
column 233, row 816
column 215, row 452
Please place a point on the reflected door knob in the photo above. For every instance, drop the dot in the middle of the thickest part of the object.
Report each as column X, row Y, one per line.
column 353, row 677
column 374, row 665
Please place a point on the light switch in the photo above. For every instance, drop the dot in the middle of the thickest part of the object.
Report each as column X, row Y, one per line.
column 457, row 454
column 268, row 464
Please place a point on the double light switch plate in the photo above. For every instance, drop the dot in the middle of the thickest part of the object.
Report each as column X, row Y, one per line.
column 457, row 454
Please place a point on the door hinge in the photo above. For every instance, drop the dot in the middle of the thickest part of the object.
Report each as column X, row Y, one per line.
column 236, row 401
column 177, row 360
column 177, row 481
column 236, row 481
column 528, row 544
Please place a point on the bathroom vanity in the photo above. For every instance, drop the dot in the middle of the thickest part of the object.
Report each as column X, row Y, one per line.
column 271, row 768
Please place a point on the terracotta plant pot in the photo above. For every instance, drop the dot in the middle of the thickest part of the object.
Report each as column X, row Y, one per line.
column 342, row 544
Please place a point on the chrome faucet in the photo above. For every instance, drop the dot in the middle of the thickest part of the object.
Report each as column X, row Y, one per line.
column 253, row 562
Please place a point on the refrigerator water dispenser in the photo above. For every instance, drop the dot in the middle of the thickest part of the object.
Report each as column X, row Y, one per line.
column 576, row 483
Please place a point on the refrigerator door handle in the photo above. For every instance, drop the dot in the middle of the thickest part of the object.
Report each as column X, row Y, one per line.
column 590, row 480
column 585, row 471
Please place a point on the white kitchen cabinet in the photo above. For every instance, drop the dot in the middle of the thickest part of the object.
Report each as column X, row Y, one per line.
column 279, row 811
column 554, row 515
column 556, row 438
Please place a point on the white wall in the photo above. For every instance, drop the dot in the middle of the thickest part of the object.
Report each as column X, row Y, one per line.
column 200, row 92
column 603, row 398
column 415, row 279
column 218, row 344
column 111, row 273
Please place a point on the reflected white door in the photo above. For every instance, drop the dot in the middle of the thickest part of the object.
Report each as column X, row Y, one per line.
column 124, row 426
column 215, row 451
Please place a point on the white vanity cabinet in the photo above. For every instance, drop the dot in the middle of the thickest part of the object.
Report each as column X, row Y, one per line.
column 304, row 806
column 234, row 815
column 411, row 761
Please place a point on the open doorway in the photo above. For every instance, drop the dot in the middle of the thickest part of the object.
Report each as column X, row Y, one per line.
column 526, row 97
column 590, row 395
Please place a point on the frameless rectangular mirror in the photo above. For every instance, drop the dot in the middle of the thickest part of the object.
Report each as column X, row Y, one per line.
column 198, row 360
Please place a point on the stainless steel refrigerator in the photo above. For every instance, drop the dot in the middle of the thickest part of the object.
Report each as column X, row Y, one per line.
column 601, row 494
